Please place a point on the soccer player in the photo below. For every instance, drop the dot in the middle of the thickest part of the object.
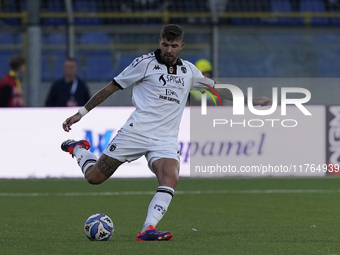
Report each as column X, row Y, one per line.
column 161, row 82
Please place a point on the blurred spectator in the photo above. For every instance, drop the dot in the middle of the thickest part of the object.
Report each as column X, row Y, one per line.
column 332, row 5
column 69, row 90
column 10, row 87
column 205, row 67
column 195, row 96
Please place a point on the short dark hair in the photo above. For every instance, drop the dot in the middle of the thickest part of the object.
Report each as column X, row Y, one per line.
column 16, row 62
column 172, row 32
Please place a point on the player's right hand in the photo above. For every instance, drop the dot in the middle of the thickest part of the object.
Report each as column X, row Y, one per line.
column 70, row 121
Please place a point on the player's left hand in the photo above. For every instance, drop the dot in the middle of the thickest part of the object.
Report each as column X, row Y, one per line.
column 70, row 121
column 263, row 101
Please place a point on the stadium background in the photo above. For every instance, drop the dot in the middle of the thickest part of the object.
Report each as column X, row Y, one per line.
column 242, row 39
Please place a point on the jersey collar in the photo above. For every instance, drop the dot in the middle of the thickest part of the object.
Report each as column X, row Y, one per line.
column 159, row 59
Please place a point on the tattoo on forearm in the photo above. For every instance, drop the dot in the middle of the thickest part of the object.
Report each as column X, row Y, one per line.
column 108, row 165
column 97, row 99
column 225, row 93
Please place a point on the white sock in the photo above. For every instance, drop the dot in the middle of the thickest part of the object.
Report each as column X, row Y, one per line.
column 84, row 158
column 158, row 206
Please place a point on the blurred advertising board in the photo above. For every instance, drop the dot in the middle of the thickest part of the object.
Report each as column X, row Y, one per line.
column 223, row 144
column 333, row 139
column 31, row 139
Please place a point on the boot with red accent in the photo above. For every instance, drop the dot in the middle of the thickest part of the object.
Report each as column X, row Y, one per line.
column 153, row 234
column 69, row 145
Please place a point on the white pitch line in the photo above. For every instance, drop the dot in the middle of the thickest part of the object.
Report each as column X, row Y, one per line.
column 193, row 192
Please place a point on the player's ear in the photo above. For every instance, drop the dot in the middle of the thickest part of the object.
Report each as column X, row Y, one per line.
column 182, row 45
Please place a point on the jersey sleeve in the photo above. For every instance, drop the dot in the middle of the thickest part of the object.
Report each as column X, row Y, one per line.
column 199, row 80
column 133, row 73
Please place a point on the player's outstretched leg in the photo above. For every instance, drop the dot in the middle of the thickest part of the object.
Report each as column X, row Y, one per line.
column 166, row 171
column 79, row 149
column 95, row 170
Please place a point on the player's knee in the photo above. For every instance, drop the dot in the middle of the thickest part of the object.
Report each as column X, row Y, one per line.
column 174, row 181
column 170, row 181
column 174, row 178
column 93, row 179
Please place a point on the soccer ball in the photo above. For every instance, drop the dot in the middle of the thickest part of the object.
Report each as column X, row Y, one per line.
column 98, row 227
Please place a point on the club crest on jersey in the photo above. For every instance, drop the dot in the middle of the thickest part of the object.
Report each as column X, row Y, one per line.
column 184, row 69
column 171, row 69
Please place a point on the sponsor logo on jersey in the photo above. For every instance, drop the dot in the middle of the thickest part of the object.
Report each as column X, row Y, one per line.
column 171, row 79
column 161, row 79
column 170, row 92
column 171, row 99
column 157, row 67
column 184, row 69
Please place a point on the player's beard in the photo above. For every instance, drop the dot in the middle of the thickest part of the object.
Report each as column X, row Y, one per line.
column 169, row 59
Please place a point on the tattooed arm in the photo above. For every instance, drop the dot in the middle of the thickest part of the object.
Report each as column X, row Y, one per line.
column 225, row 93
column 101, row 96
column 94, row 101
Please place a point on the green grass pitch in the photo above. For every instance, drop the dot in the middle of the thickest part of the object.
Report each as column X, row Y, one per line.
column 231, row 216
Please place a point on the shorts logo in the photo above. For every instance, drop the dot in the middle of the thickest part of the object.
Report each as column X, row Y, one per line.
column 184, row 69
column 113, row 147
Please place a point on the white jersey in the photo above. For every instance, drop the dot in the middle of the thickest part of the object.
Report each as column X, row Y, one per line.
column 160, row 94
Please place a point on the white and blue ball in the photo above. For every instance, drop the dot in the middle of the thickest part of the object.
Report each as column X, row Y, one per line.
column 98, row 227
